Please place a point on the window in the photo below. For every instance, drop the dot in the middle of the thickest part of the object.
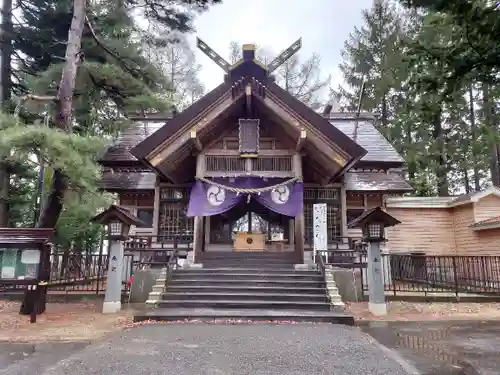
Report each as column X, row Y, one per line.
column 146, row 215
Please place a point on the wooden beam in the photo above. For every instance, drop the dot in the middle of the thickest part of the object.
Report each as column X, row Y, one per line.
column 196, row 140
column 214, row 56
column 323, row 144
column 165, row 151
column 301, row 140
column 284, row 56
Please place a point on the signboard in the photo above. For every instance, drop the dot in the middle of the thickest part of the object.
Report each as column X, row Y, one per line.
column 18, row 263
column 320, row 234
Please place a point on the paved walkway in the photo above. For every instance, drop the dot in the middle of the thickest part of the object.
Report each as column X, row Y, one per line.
column 205, row 349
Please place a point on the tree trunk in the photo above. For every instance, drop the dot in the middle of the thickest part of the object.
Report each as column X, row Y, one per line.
column 63, row 120
column 473, row 130
column 5, row 92
column 491, row 126
column 442, row 165
column 465, row 172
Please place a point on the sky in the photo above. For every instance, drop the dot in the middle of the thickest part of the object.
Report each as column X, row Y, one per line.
column 324, row 25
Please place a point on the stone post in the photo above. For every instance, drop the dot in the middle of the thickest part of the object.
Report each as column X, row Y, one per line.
column 112, row 299
column 376, row 296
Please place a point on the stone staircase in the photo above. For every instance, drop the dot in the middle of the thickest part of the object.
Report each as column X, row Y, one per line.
column 246, row 286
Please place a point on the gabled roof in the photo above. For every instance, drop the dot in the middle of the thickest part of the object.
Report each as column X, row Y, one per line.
column 250, row 72
column 476, row 196
column 150, row 143
column 375, row 214
column 114, row 212
column 321, row 123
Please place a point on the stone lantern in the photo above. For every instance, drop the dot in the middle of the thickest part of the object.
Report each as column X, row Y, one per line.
column 119, row 220
column 372, row 224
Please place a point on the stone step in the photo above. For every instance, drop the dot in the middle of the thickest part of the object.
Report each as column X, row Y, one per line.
column 250, row 270
column 257, row 315
column 248, row 254
column 243, row 289
column 216, row 282
column 246, row 275
column 242, row 296
column 246, row 304
column 238, row 264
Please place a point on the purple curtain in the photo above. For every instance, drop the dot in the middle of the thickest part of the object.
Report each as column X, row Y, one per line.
column 208, row 200
column 285, row 200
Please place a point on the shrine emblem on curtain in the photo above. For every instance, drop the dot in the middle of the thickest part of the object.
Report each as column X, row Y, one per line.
column 214, row 197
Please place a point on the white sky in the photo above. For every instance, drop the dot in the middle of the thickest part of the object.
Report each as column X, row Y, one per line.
column 324, row 25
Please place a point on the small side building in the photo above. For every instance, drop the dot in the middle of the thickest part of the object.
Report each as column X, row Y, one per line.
column 465, row 225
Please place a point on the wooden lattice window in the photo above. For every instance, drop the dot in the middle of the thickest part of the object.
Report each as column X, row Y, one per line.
column 225, row 164
column 272, row 163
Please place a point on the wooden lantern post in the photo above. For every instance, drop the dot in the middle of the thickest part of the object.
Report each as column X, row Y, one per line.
column 373, row 223
column 118, row 220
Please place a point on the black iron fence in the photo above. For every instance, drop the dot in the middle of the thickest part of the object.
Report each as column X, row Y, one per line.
column 85, row 273
column 407, row 274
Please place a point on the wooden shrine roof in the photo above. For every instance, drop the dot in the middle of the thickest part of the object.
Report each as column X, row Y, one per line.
column 379, row 149
column 120, row 180
column 362, row 181
column 119, row 152
column 366, row 135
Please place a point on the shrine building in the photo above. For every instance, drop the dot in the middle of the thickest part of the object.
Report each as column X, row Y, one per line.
column 240, row 169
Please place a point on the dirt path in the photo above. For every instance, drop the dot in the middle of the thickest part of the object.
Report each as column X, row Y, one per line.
column 61, row 322
column 410, row 311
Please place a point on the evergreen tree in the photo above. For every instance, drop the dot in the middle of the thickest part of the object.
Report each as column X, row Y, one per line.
column 114, row 78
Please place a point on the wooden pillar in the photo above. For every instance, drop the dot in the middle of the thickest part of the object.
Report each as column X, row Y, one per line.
column 156, row 209
column 207, row 230
column 299, row 220
column 343, row 213
column 198, row 220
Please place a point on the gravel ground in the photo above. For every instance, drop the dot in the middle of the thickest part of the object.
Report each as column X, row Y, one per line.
column 34, row 359
column 258, row 349
column 429, row 311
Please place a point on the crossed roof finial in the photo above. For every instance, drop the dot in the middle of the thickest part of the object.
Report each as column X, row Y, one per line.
column 271, row 67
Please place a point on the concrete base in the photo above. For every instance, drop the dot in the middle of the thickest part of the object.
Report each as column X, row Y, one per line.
column 349, row 283
column 111, row 307
column 377, row 309
column 143, row 283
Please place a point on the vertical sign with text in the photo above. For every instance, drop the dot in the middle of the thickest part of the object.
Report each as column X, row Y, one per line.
column 320, row 233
